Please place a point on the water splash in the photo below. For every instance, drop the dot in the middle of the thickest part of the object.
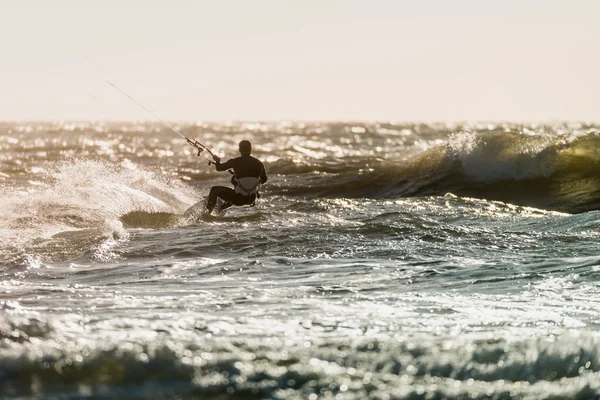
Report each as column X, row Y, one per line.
column 79, row 206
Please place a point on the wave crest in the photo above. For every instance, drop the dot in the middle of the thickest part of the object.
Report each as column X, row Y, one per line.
column 557, row 172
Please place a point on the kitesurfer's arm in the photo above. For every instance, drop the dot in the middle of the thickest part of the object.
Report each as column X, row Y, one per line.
column 263, row 174
column 224, row 166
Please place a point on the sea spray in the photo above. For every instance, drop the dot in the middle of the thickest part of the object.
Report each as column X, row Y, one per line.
column 80, row 204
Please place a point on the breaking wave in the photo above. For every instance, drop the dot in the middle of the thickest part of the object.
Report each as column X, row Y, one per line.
column 39, row 362
column 556, row 172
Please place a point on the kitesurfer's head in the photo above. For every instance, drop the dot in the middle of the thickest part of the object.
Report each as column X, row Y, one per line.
column 245, row 147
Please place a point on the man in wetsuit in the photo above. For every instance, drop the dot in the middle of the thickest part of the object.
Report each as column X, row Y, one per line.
column 249, row 173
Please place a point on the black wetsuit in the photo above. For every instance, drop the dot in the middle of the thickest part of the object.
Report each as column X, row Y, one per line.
column 245, row 166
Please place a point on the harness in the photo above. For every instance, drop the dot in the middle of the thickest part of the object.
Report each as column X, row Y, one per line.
column 247, row 186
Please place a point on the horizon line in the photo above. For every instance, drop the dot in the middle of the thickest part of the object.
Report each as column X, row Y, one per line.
column 309, row 121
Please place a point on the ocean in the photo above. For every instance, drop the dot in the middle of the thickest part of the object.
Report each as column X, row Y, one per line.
column 382, row 261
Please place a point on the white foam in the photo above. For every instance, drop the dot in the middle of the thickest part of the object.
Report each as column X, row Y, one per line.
column 503, row 156
column 87, row 194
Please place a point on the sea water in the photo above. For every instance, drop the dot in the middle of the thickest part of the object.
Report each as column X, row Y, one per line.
column 383, row 261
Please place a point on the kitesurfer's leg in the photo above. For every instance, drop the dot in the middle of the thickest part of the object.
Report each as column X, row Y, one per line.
column 224, row 193
column 225, row 206
column 212, row 197
column 229, row 197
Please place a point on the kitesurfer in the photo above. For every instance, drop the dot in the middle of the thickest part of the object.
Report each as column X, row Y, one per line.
column 248, row 174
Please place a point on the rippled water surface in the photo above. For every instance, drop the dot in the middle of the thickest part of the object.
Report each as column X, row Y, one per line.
column 383, row 261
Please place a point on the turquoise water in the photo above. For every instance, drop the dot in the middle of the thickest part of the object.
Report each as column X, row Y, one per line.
column 383, row 261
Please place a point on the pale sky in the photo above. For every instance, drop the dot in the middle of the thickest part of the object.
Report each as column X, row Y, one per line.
column 396, row 60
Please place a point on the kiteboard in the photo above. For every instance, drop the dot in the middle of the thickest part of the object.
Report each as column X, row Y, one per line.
column 198, row 210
